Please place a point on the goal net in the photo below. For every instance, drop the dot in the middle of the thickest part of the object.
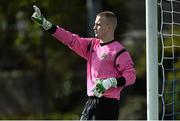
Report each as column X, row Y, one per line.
column 169, row 59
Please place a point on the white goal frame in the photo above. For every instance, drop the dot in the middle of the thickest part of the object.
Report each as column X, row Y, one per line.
column 152, row 60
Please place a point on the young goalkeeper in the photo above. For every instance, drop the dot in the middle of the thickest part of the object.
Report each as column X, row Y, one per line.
column 109, row 65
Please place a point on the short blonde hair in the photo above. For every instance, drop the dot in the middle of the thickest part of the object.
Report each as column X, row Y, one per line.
column 111, row 17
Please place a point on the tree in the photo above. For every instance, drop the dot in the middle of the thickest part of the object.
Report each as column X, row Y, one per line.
column 43, row 79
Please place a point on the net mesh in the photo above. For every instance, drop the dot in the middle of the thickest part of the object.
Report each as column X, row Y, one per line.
column 169, row 59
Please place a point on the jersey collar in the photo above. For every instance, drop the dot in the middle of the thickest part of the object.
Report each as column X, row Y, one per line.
column 105, row 43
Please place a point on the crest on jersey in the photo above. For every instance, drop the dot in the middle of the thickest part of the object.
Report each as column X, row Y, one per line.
column 103, row 56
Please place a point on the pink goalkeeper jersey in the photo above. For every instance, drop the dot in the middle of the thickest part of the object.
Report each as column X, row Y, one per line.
column 101, row 62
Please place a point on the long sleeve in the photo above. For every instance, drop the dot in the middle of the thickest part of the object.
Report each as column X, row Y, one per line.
column 125, row 65
column 73, row 41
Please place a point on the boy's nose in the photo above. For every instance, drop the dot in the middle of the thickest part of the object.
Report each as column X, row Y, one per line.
column 94, row 27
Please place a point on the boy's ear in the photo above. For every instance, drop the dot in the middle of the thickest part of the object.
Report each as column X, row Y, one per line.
column 109, row 27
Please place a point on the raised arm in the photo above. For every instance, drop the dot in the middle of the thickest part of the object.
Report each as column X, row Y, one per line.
column 77, row 44
column 73, row 41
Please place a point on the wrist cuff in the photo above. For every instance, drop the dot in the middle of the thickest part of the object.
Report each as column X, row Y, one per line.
column 53, row 29
column 121, row 81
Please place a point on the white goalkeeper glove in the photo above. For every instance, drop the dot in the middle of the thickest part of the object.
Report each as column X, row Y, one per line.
column 38, row 18
column 102, row 85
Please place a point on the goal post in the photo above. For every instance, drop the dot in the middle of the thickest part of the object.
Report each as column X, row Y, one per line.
column 152, row 60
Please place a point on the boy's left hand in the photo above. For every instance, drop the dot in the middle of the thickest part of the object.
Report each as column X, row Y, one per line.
column 102, row 85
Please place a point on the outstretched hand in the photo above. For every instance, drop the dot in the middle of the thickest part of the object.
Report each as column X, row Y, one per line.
column 38, row 18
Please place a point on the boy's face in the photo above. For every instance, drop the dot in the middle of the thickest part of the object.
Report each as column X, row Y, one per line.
column 100, row 28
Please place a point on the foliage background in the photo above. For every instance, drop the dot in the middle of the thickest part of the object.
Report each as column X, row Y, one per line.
column 41, row 78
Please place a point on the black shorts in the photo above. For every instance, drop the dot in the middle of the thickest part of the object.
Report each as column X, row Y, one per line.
column 101, row 109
